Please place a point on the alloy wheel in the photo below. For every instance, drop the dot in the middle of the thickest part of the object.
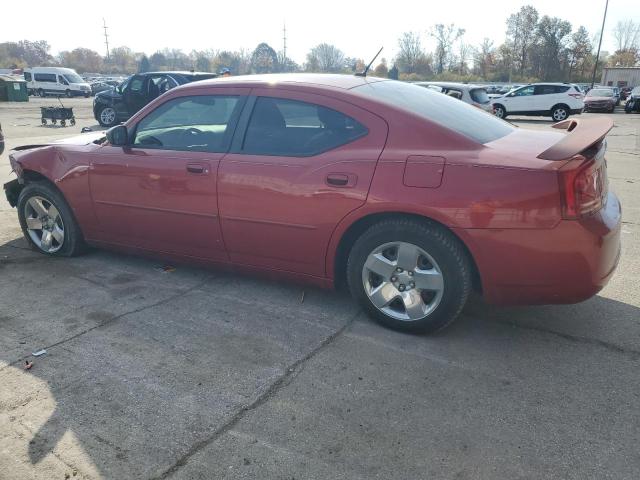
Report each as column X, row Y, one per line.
column 108, row 116
column 44, row 224
column 403, row 281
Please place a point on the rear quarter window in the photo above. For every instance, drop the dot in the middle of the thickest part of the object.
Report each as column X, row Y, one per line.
column 448, row 112
column 479, row 95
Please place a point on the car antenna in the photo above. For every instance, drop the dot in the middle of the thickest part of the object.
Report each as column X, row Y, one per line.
column 364, row 72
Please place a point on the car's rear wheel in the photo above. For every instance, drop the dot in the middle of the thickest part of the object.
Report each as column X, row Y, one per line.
column 68, row 93
column 41, row 93
column 107, row 117
column 409, row 275
column 47, row 221
column 559, row 113
column 499, row 111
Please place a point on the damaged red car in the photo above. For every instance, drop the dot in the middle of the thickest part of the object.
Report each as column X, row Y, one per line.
column 409, row 198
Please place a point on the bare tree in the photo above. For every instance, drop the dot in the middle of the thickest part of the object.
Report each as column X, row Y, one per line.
column 484, row 58
column 521, row 34
column 464, row 51
column 325, row 58
column 627, row 35
column 445, row 36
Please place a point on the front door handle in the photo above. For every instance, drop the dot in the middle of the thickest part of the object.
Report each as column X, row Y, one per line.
column 198, row 168
column 341, row 180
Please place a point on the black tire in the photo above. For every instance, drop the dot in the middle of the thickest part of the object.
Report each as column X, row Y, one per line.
column 559, row 113
column 440, row 244
column 73, row 243
column 68, row 93
column 499, row 111
column 41, row 93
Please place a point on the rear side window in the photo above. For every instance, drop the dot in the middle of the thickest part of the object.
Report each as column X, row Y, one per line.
column 199, row 123
column 27, row 76
column 285, row 127
column 479, row 95
column 45, row 77
column 460, row 117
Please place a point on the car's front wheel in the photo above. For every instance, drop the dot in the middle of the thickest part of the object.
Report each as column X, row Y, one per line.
column 107, row 117
column 409, row 275
column 47, row 221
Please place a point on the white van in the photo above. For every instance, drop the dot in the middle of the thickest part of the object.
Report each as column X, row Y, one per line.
column 55, row 81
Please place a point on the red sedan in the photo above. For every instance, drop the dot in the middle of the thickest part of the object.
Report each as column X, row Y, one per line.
column 409, row 197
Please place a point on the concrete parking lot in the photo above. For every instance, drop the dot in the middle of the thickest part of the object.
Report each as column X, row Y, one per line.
column 197, row 374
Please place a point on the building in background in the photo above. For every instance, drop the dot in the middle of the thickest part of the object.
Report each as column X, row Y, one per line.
column 620, row 77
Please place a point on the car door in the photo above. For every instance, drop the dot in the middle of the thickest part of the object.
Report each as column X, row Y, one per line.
column 545, row 97
column 301, row 163
column 134, row 95
column 520, row 100
column 159, row 192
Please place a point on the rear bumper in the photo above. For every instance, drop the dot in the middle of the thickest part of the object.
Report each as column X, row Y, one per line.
column 567, row 264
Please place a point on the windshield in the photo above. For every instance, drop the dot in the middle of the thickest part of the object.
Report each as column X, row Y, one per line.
column 600, row 92
column 73, row 78
column 441, row 109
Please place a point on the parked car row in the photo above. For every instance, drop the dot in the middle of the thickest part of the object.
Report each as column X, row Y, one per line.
column 475, row 95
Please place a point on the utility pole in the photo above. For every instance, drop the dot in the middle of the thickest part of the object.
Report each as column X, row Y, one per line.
column 595, row 67
column 284, row 45
column 106, row 37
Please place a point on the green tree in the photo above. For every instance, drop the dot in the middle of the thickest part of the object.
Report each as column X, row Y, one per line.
column 264, row 59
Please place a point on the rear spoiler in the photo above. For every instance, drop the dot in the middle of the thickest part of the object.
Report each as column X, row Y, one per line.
column 581, row 134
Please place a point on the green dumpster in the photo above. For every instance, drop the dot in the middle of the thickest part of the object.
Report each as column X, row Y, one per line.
column 13, row 89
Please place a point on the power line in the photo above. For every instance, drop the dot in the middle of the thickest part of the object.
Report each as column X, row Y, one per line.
column 106, row 36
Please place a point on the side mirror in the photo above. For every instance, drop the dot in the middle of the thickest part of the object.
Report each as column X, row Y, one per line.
column 118, row 136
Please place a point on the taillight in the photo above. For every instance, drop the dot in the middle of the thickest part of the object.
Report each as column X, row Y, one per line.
column 583, row 187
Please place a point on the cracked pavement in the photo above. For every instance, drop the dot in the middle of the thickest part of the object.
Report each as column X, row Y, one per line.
column 200, row 374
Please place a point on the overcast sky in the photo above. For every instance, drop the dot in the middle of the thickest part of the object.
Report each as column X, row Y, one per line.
column 359, row 28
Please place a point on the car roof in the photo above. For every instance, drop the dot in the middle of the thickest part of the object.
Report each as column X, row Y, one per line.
column 177, row 72
column 327, row 80
column 461, row 86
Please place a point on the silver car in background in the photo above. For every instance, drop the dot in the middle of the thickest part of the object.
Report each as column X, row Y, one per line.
column 475, row 95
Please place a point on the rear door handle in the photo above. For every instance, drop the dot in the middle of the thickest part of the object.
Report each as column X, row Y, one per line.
column 198, row 168
column 341, row 180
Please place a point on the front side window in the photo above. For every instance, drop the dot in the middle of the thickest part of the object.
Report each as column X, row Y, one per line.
column 62, row 81
column 524, row 92
column 285, row 127
column 198, row 123
column 135, row 85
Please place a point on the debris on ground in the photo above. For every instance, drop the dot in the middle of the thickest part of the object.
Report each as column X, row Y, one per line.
column 28, row 365
column 39, row 352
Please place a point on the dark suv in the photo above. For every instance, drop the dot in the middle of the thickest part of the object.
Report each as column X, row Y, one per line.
column 111, row 107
